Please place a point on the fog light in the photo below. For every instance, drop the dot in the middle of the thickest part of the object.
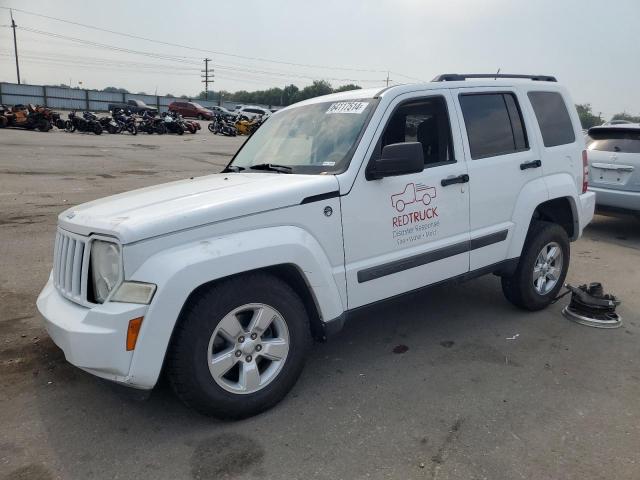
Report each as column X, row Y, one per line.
column 134, row 292
column 132, row 332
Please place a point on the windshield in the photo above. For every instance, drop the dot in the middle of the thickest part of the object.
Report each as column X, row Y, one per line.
column 314, row 139
column 197, row 105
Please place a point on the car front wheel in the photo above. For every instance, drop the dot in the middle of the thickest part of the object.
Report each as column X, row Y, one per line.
column 542, row 268
column 239, row 347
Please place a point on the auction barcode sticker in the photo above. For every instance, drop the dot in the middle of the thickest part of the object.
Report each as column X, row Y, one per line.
column 347, row 107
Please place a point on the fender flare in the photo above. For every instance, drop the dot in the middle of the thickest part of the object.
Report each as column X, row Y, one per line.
column 178, row 271
column 560, row 185
column 532, row 194
column 563, row 185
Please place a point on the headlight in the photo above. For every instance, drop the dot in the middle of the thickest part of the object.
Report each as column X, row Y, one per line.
column 105, row 268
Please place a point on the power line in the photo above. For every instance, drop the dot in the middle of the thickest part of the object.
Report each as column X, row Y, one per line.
column 185, row 60
column 216, row 52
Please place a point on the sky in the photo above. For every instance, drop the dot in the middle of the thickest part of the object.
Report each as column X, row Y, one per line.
column 591, row 46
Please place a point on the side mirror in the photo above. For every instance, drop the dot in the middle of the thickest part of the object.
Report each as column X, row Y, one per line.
column 397, row 159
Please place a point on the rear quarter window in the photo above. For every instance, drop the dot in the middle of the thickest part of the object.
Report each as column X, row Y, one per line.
column 494, row 124
column 553, row 118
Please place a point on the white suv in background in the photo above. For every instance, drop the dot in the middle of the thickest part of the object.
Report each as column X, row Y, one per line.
column 251, row 111
column 334, row 204
column 614, row 162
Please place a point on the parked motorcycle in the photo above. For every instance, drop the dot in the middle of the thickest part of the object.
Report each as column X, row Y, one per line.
column 30, row 118
column 110, row 125
column 245, row 126
column 87, row 123
column 190, row 126
column 221, row 126
column 151, row 124
column 126, row 121
column 172, row 123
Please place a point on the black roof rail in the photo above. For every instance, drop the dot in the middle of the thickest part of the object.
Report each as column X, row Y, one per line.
column 453, row 77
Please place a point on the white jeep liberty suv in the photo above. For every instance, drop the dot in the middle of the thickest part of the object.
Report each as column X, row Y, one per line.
column 335, row 203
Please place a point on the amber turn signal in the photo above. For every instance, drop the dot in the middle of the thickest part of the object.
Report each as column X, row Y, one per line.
column 132, row 332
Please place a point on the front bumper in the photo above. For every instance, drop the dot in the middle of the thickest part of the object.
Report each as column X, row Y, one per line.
column 616, row 199
column 93, row 339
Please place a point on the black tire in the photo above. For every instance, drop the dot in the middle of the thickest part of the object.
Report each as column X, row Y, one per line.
column 519, row 288
column 69, row 126
column 132, row 129
column 180, row 130
column 187, row 367
column 97, row 129
column 161, row 129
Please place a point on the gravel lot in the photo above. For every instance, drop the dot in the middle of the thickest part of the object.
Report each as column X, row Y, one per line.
column 482, row 390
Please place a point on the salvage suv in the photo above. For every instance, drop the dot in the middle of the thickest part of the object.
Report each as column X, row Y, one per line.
column 221, row 282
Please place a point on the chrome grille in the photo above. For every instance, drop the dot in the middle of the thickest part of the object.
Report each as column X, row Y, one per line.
column 70, row 257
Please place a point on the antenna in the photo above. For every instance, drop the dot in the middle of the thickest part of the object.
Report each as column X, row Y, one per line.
column 497, row 73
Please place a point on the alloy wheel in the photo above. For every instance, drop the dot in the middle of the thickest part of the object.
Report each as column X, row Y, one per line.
column 547, row 268
column 248, row 348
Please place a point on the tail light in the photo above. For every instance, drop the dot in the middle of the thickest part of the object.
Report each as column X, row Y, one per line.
column 585, row 171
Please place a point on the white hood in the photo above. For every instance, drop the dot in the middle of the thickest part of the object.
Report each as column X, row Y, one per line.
column 175, row 206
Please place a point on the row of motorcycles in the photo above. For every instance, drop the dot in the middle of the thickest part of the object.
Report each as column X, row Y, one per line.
column 36, row 117
column 124, row 121
column 232, row 126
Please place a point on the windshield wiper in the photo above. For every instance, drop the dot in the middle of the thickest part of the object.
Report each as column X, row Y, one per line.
column 232, row 168
column 271, row 167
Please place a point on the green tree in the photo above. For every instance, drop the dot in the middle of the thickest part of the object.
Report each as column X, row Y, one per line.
column 115, row 90
column 345, row 88
column 289, row 94
column 627, row 117
column 587, row 118
column 316, row 89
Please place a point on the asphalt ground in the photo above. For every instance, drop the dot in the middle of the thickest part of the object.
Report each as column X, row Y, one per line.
column 453, row 383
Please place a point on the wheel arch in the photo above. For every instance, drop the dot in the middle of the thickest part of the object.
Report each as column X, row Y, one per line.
column 562, row 211
column 551, row 199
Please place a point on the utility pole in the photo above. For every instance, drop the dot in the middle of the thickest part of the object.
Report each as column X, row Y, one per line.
column 15, row 44
column 207, row 78
column 388, row 79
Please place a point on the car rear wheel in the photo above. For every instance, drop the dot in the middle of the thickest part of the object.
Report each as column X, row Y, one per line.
column 239, row 347
column 542, row 268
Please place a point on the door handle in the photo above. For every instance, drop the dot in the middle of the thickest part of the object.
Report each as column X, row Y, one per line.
column 464, row 178
column 532, row 164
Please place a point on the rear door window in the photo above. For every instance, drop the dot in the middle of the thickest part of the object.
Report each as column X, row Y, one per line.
column 615, row 140
column 553, row 118
column 494, row 124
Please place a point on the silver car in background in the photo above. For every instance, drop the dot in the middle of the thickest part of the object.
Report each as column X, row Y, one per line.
column 614, row 167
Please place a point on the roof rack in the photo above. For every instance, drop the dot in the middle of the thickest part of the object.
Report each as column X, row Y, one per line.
column 453, row 77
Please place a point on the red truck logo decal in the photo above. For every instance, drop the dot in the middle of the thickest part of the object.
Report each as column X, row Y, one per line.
column 413, row 193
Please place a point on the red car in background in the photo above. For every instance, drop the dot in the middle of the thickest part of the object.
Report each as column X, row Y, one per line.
column 191, row 109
